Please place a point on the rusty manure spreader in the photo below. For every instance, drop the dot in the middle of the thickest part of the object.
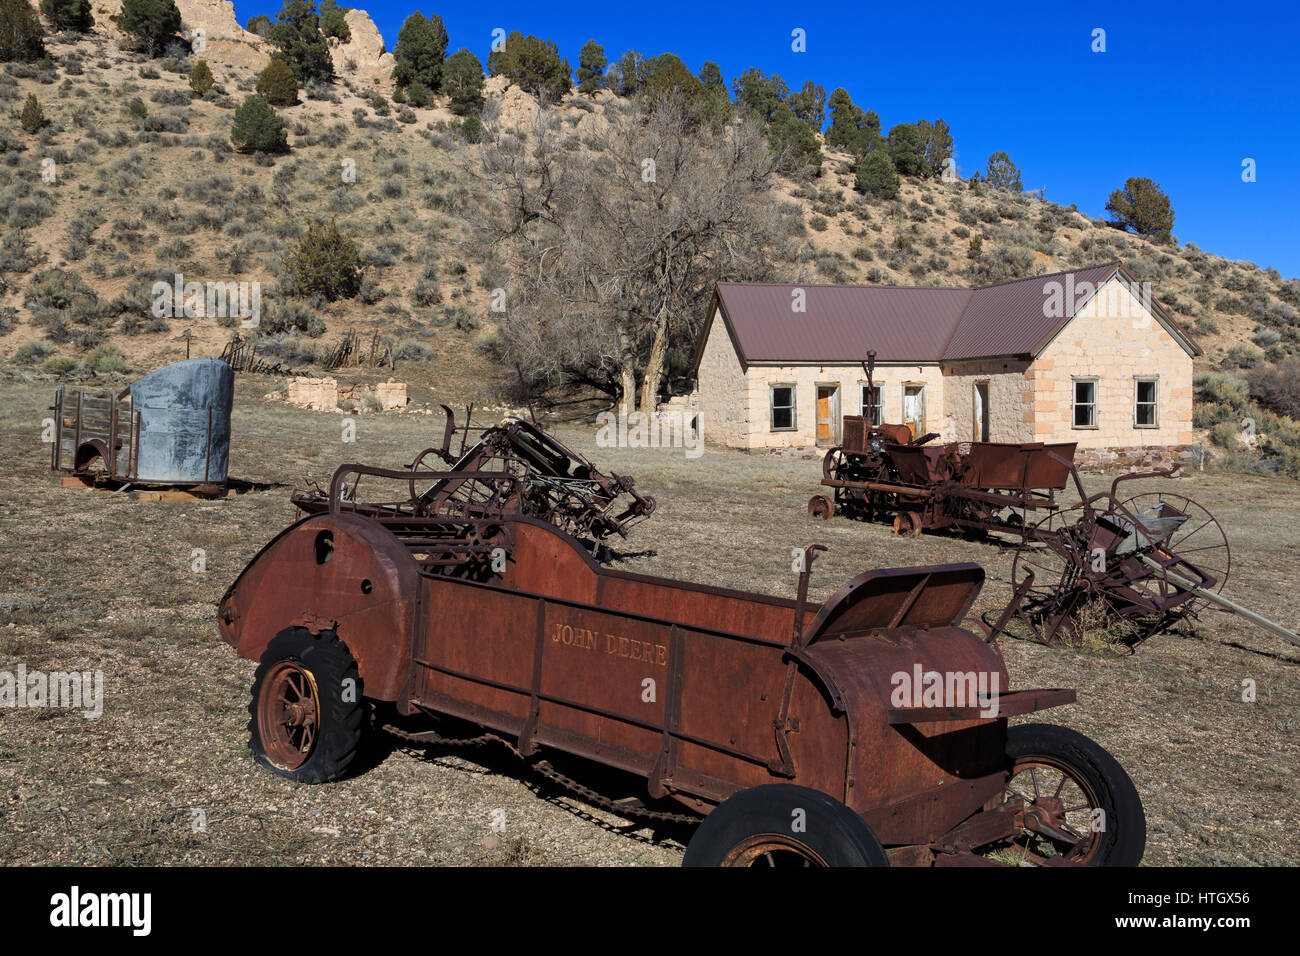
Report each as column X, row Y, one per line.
column 780, row 729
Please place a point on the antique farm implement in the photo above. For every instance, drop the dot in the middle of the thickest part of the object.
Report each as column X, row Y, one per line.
column 1132, row 567
column 781, row 727
column 514, row 467
column 881, row 472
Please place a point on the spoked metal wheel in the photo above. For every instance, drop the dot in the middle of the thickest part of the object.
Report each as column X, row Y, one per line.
column 288, row 714
column 1053, row 553
column 1199, row 540
column 772, row 850
column 1061, row 804
column 1073, row 803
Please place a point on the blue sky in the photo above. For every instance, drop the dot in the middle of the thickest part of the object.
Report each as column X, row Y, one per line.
column 1183, row 93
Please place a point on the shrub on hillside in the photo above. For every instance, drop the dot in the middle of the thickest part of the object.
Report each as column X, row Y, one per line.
column 201, row 79
column 33, row 353
column 1277, row 386
column 277, row 84
column 875, row 175
column 20, row 32
column 32, row 117
column 1245, row 356
column 325, row 263
column 256, row 127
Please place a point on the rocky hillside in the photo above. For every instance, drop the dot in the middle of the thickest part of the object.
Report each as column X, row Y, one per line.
column 145, row 186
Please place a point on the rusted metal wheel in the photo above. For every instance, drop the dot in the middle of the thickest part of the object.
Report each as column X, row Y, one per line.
column 819, row 506
column 1199, row 540
column 907, row 523
column 1054, row 554
column 288, row 714
column 783, row 825
column 1078, row 806
column 306, row 712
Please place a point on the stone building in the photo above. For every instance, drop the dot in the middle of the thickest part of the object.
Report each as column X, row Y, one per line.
column 1084, row 356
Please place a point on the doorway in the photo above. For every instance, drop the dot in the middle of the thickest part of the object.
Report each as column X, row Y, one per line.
column 828, row 414
column 914, row 409
column 981, row 415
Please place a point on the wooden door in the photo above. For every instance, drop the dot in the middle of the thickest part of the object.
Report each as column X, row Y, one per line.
column 828, row 414
column 914, row 409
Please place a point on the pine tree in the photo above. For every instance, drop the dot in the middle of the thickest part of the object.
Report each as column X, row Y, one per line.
column 297, row 34
column 258, row 128
column 333, row 21
column 462, row 80
column 906, row 150
column 591, row 67
column 532, row 64
column 1001, row 173
column 1143, row 207
column 875, row 175
column 421, row 48
column 325, row 263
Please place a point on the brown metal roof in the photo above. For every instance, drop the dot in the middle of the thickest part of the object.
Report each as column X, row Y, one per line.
column 1020, row 317
column 840, row 323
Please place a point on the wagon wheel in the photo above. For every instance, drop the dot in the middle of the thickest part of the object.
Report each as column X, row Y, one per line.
column 1052, row 553
column 1079, row 806
column 1200, row 540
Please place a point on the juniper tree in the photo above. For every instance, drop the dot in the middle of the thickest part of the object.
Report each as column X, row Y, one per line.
column 20, row 32
column 256, row 127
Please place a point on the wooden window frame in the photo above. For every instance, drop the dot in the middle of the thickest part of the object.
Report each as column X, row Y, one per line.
column 1138, row 380
column 793, row 406
column 1075, row 382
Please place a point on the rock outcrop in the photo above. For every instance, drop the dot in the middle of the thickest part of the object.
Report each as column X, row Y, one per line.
column 364, row 56
column 210, row 25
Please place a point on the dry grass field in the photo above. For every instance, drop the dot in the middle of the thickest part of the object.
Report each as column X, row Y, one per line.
column 93, row 581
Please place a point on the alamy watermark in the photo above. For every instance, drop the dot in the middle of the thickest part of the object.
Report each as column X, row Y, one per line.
column 73, row 690
column 180, row 299
column 919, row 688
column 1063, row 297
column 671, row 428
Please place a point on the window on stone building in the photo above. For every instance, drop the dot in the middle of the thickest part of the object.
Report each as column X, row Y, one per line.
column 782, row 405
column 1085, row 403
column 873, row 405
column 1146, row 413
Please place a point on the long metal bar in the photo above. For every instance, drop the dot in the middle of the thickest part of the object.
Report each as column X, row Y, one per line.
column 1221, row 601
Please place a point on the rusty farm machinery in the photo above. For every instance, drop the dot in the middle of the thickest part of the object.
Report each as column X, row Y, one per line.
column 512, row 468
column 675, row 704
column 1131, row 567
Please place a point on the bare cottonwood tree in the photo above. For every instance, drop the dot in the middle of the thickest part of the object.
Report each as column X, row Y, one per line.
column 614, row 238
